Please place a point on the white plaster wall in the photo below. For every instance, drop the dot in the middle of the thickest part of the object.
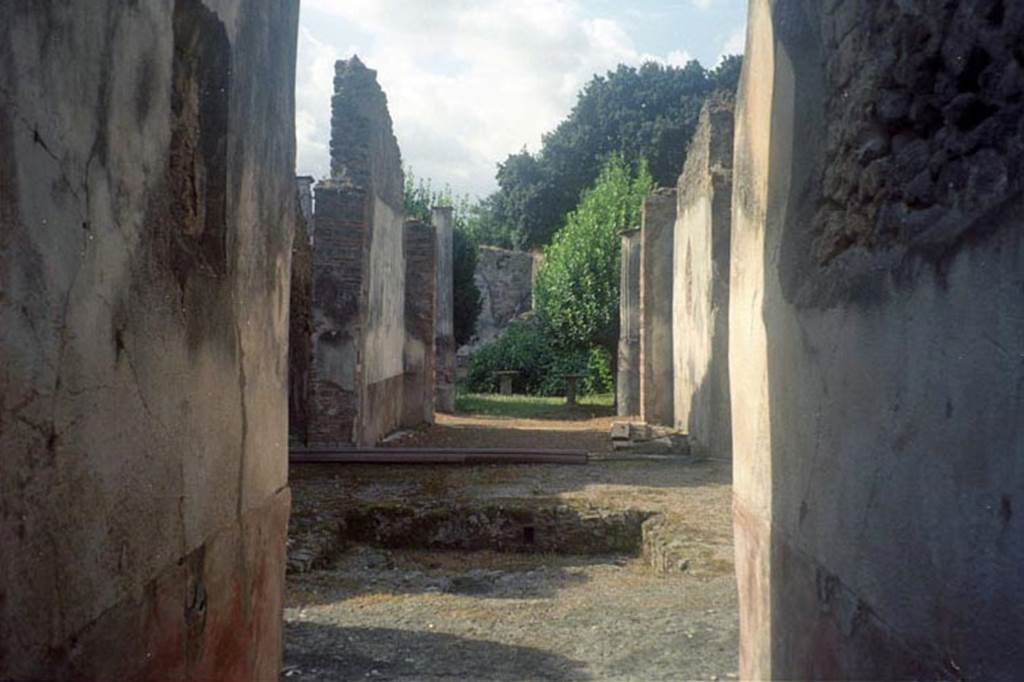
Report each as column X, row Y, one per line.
column 385, row 315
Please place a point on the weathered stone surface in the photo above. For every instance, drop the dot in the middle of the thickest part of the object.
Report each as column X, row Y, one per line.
column 700, row 304
column 146, row 215
column 300, row 324
column 505, row 280
column 304, row 186
column 658, row 217
column 358, row 387
column 876, row 391
column 627, row 383
column 420, row 279
column 444, row 310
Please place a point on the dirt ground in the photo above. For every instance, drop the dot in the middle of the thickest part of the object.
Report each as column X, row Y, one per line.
column 360, row 612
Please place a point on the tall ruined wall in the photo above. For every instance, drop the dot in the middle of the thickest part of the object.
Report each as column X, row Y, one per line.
column 657, row 228
column 444, row 309
column 876, row 334
column 358, row 270
column 420, row 248
column 700, row 302
column 627, row 382
column 505, row 280
column 146, row 212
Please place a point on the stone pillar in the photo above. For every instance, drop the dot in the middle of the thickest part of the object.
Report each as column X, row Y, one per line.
column 627, row 385
column 147, row 206
column 700, row 302
column 875, row 340
column 420, row 280
column 358, row 382
column 658, row 217
column 300, row 329
column 304, row 186
column 444, row 322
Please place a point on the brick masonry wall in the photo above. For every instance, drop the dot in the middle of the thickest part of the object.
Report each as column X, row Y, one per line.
column 420, row 251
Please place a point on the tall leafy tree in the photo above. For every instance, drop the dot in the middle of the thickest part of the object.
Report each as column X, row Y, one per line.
column 642, row 113
column 577, row 288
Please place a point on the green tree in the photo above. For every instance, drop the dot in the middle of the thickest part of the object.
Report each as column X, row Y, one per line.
column 642, row 113
column 577, row 288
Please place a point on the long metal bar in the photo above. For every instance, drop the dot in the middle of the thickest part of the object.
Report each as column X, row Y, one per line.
column 437, row 456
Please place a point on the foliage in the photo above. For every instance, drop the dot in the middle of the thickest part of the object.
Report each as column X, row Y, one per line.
column 525, row 348
column 420, row 198
column 646, row 113
column 577, row 288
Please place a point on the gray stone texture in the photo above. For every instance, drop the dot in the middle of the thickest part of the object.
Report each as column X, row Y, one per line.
column 358, row 384
column 300, row 326
column 876, row 376
column 304, row 186
column 147, row 206
column 627, row 383
column 420, row 247
column 657, row 228
column 700, row 302
column 444, row 310
column 505, row 280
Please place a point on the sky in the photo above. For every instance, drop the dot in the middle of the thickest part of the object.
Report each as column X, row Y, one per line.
column 469, row 82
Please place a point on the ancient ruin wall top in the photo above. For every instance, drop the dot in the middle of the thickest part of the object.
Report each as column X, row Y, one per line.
column 364, row 150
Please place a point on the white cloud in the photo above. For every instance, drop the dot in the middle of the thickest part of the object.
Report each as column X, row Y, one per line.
column 735, row 43
column 468, row 81
column 702, row 4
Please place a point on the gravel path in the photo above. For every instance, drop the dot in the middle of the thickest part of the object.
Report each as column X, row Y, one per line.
column 370, row 613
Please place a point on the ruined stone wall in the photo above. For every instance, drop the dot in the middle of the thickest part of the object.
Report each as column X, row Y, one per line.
column 444, row 310
column 420, row 279
column 357, row 382
column 876, row 375
column 700, row 303
column 146, row 213
column 627, row 383
column 657, row 228
column 300, row 324
column 505, row 280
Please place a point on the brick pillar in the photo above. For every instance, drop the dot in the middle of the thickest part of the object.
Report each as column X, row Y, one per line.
column 444, row 324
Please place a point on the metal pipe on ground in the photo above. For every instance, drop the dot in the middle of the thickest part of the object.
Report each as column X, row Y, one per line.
column 436, row 456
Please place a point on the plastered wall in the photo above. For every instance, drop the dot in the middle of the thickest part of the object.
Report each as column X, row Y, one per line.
column 143, row 327
column 876, row 376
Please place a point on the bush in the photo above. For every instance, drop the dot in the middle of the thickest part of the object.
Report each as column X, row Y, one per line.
column 577, row 288
column 525, row 347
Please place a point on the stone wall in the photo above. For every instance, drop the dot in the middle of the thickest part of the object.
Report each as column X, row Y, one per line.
column 505, row 280
column 359, row 335
column 657, row 228
column 444, row 310
column 300, row 324
column 876, row 334
column 700, row 303
column 627, row 382
column 146, row 213
column 420, row 247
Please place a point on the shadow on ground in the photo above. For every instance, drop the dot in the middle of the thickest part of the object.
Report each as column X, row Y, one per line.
column 317, row 651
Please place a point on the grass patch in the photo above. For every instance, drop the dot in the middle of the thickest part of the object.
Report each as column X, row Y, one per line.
column 535, row 407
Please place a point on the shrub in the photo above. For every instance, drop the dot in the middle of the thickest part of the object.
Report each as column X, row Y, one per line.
column 526, row 348
column 577, row 289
